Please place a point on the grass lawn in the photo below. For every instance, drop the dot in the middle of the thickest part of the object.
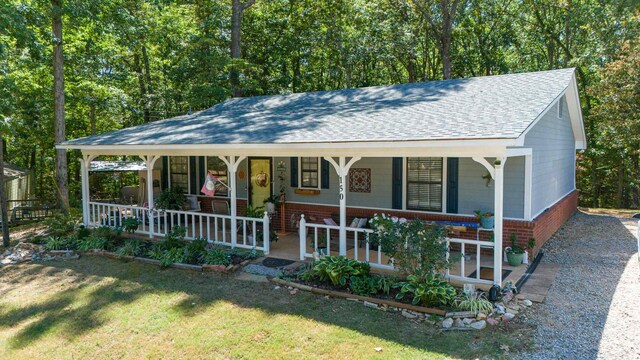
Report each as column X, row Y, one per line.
column 103, row 308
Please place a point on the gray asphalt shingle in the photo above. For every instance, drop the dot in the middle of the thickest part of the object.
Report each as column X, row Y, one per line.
column 488, row 107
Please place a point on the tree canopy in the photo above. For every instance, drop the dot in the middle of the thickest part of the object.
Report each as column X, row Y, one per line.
column 128, row 62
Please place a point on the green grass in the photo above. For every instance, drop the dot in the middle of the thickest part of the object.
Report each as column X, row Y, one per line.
column 103, row 308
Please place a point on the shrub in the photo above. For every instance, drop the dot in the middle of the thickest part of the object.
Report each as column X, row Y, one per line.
column 172, row 256
column 82, row 233
column 363, row 285
column 176, row 235
column 217, row 256
column 131, row 247
column 130, row 225
column 384, row 283
column 415, row 246
column 60, row 243
column 91, row 243
column 338, row 269
column 476, row 303
column 171, row 199
column 428, row 290
column 157, row 250
column 61, row 224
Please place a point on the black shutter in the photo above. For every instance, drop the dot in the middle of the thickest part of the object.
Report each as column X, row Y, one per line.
column 396, row 183
column 202, row 172
column 324, row 173
column 294, row 172
column 165, row 172
column 192, row 175
column 452, row 185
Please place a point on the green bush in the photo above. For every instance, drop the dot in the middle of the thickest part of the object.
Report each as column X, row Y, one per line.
column 196, row 251
column 428, row 290
column 415, row 246
column 131, row 247
column 91, row 243
column 363, row 285
column 60, row 243
column 171, row 199
column 61, row 224
column 217, row 256
column 130, row 225
column 176, row 236
column 338, row 269
column 82, row 233
column 172, row 256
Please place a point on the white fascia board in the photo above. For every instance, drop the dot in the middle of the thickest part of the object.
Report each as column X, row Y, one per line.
column 459, row 148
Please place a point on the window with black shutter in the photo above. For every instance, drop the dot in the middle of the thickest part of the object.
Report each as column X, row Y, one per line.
column 424, row 183
column 179, row 172
column 309, row 172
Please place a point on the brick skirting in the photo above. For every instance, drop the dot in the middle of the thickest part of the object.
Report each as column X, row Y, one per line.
column 541, row 228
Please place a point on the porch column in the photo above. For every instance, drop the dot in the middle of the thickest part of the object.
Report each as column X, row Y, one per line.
column 498, row 213
column 85, row 164
column 150, row 161
column 528, row 177
column 232, row 163
column 342, row 168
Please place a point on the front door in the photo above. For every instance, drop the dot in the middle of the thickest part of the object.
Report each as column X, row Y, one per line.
column 259, row 180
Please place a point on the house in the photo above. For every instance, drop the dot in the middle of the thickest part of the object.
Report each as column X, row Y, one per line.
column 435, row 151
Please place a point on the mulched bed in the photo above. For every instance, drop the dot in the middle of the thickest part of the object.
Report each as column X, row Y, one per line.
column 276, row 262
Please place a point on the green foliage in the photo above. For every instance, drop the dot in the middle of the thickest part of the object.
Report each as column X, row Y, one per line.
column 91, row 243
column 476, row 303
column 61, row 224
column 415, row 246
column 173, row 256
column 338, row 269
column 363, row 285
column 130, row 225
column 131, row 247
column 171, row 199
column 196, row 251
column 60, row 243
column 427, row 290
column 82, row 232
column 217, row 256
column 176, row 234
column 255, row 211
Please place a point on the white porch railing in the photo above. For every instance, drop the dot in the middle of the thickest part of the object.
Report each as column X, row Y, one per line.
column 313, row 235
column 253, row 233
column 462, row 271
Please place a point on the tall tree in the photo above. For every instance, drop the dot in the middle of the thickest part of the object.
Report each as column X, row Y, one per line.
column 58, row 107
column 4, row 209
column 440, row 15
column 237, row 9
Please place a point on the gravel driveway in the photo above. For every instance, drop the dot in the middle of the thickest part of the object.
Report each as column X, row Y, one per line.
column 592, row 310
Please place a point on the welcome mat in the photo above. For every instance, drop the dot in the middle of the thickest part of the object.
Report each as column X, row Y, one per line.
column 486, row 273
column 276, row 263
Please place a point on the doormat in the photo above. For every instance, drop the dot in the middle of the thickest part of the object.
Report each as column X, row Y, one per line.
column 276, row 263
column 486, row 273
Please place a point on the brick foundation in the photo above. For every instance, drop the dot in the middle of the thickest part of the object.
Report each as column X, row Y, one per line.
column 541, row 228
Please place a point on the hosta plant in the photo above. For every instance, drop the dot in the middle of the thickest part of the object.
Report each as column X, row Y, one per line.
column 475, row 302
column 338, row 269
column 91, row 243
column 131, row 247
column 427, row 289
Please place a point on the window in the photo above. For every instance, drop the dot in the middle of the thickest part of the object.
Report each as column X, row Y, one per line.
column 218, row 168
column 424, row 184
column 179, row 172
column 309, row 172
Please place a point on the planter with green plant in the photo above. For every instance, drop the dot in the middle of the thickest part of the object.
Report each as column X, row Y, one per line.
column 486, row 219
column 171, row 199
column 515, row 254
column 272, row 203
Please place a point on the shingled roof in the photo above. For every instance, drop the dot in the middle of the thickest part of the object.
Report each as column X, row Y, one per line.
column 490, row 107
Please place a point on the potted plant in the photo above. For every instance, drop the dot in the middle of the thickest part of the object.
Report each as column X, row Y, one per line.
column 515, row 254
column 271, row 203
column 486, row 219
column 171, row 199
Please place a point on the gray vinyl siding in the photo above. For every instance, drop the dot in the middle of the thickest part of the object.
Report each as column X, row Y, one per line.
column 553, row 167
column 473, row 192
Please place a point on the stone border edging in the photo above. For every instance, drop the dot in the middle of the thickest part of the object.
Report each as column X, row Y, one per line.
column 339, row 294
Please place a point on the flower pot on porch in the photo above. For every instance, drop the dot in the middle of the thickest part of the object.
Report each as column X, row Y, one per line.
column 487, row 222
column 270, row 207
column 514, row 259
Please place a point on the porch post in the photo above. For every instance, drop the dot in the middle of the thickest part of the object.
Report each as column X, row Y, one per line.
column 150, row 161
column 528, row 177
column 85, row 164
column 498, row 213
column 342, row 168
column 232, row 163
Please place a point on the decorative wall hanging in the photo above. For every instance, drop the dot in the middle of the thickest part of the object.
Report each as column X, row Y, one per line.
column 360, row 180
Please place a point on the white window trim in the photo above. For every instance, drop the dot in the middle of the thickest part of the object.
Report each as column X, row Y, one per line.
column 300, row 174
column 443, row 209
column 188, row 192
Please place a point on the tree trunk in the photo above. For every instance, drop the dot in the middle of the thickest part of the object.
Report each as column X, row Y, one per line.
column 620, row 194
column 636, row 189
column 58, row 112
column 146, row 115
column 4, row 209
column 236, row 50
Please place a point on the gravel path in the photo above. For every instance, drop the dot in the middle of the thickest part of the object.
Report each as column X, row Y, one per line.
column 592, row 310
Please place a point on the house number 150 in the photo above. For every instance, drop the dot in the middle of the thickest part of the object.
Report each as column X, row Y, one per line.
column 341, row 189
